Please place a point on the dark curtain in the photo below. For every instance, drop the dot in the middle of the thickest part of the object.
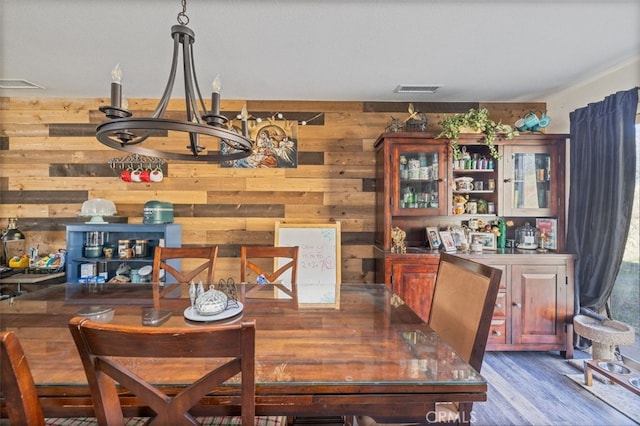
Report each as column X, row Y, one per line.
column 602, row 180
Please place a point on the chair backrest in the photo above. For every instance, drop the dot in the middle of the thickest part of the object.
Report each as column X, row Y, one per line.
column 100, row 346
column 18, row 388
column 463, row 302
column 250, row 257
column 163, row 254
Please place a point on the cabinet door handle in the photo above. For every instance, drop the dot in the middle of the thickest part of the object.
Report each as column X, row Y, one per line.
column 498, row 305
column 517, row 305
column 507, row 180
column 497, row 333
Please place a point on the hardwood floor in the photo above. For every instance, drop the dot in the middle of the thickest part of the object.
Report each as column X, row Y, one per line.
column 531, row 388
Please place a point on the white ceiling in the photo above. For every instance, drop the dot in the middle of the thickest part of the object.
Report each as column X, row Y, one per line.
column 500, row 50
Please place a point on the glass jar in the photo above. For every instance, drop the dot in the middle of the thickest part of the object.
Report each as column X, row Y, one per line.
column 527, row 237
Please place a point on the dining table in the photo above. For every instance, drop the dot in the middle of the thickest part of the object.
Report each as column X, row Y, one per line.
column 368, row 355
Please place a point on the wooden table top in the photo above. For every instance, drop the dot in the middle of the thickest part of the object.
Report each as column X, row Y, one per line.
column 372, row 351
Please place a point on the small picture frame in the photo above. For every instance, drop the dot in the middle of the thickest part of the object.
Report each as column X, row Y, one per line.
column 487, row 239
column 447, row 241
column 459, row 237
column 549, row 227
column 433, row 237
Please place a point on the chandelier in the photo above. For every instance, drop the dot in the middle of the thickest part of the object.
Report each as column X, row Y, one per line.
column 124, row 132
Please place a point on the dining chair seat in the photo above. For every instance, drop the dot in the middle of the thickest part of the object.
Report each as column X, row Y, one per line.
column 237, row 421
column 91, row 421
column 143, row 421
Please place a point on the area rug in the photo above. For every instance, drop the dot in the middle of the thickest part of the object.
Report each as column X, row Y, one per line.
column 616, row 396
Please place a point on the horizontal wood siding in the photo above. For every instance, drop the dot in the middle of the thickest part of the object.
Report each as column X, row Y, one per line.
column 50, row 163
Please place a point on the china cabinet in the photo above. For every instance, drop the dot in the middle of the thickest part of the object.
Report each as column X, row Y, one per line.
column 79, row 265
column 534, row 306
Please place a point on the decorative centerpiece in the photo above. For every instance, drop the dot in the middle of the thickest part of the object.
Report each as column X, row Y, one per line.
column 474, row 121
column 211, row 302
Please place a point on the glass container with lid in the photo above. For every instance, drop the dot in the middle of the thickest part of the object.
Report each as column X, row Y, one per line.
column 527, row 237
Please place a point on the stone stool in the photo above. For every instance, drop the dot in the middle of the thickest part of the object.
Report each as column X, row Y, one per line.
column 604, row 335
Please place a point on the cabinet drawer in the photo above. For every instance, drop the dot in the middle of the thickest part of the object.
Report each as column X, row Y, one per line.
column 497, row 332
column 501, row 303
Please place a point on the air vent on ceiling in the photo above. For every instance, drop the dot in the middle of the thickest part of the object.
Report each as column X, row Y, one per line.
column 18, row 84
column 417, row 88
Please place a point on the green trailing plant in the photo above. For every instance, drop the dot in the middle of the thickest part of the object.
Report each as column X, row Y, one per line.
column 474, row 120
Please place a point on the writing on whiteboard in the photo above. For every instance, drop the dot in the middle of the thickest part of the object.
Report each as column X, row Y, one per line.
column 314, row 257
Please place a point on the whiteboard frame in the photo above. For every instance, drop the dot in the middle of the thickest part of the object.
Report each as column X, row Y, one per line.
column 320, row 302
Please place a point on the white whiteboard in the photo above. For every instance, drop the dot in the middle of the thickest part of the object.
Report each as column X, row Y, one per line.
column 319, row 265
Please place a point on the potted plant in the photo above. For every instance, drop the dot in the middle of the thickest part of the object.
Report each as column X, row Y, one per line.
column 474, row 121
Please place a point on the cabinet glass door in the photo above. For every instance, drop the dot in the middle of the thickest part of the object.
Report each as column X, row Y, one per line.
column 419, row 184
column 529, row 181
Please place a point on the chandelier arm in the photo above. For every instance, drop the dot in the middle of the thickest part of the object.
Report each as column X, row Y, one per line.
column 166, row 95
column 195, row 82
column 193, row 115
column 189, row 77
column 192, row 107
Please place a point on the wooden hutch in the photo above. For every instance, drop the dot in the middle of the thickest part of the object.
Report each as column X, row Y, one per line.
column 534, row 308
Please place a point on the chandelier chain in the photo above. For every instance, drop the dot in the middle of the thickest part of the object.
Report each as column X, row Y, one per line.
column 183, row 19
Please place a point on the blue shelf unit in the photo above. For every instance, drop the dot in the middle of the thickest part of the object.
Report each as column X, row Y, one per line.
column 168, row 234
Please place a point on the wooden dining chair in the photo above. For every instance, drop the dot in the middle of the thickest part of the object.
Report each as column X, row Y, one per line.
column 19, row 390
column 162, row 258
column 253, row 263
column 462, row 305
column 106, row 351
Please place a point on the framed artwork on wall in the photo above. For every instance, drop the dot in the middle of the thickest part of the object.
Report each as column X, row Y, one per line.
column 275, row 145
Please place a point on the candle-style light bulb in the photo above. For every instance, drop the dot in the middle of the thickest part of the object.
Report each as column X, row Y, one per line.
column 245, row 116
column 116, row 74
column 215, row 96
column 116, row 87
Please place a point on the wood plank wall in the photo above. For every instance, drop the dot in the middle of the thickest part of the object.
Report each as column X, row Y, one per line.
column 50, row 163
